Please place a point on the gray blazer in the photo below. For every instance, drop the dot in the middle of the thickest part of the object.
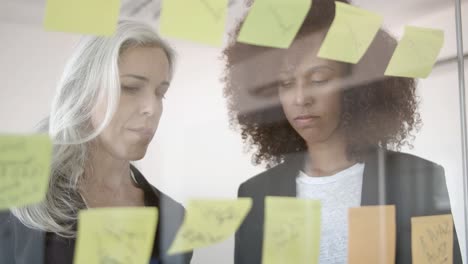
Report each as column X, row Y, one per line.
column 414, row 185
column 22, row 245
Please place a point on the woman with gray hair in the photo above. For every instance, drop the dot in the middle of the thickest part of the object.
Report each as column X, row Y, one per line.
column 104, row 115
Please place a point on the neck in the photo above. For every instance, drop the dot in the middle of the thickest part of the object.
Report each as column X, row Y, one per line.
column 107, row 172
column 328, row 157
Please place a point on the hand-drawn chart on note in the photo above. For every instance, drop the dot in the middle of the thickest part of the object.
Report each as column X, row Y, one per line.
column 208, row 222
column 201, row 21
column 354, row 26
column 274, row 23
column 416, row 53
column 116, row 235
column 432, row 239
column 24, row 169
column 292, row 231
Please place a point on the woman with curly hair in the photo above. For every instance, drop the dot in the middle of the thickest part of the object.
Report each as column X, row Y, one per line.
column 325, row 130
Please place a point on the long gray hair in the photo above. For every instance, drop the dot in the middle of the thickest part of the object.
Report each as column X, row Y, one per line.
column 91, row 74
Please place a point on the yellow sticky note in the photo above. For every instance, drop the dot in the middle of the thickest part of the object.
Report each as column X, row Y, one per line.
column 350, row 33
column 195, row 20
column 291, row 231
column 432, row 239
column 116, row 235
column 24, row 169
column 208, row 222
column 372, row 234
column 274, row 23
column 416, row 53
column 94, row 17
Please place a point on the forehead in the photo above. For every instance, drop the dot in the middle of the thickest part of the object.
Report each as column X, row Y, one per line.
column 143, row 60
column 302, row 54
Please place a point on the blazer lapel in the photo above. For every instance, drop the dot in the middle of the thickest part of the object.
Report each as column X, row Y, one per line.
column 374, row 179
column 283, row 183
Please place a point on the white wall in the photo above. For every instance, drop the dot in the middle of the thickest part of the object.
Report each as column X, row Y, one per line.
column 195, row 154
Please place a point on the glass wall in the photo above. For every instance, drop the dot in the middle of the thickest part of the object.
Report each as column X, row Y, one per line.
column 359, row 154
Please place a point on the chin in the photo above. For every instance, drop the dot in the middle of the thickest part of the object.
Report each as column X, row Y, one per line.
column 136, row 154
column 136, row 158
column 312, row 138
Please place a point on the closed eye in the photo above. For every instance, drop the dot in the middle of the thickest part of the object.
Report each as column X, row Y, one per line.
column 132, row 89
column 286, row 83
column 320, row 81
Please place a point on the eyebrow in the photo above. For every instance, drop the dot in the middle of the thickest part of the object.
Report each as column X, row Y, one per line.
column 319, row 67
column 308, row 71
column 143, row 78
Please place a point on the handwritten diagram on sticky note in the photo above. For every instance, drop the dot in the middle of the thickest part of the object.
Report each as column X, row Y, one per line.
column 372, row 234
column 94, row 17
column 201, row 21
column 208, row 222
column 24, row 169
column 116, row 235
column 350, row 33
column 432, row 239
column 416, row 53
column 291, row 231
column 273, row 23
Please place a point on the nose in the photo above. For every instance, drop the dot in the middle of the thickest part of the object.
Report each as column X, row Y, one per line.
column 302, row 95
column 149, row 105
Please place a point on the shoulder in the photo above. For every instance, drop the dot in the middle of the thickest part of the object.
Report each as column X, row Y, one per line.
column 264, row 176
column 16, row 240
column 277, row 179
column 9, row 222
column 5, row 235
column 6, row 222
column 408, row 162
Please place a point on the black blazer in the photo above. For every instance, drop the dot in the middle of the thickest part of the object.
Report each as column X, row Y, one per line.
column 415, row 186
column 22, row 245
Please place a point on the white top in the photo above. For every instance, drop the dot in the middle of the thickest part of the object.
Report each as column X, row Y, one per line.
column 337, row 193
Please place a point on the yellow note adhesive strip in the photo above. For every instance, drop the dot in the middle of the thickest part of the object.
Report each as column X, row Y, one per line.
column 93, row 17
column 274, row 23
column 350, row 34
column 200, row 21
column 292, row 231
column 24, row 169
column 116, row 235
column 416, row 53
column 432, row 239
column 372, row 235
column 208, row 222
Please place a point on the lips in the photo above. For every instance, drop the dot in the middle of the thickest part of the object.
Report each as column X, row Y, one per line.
column 306, row 120
column 143, row 131
column 306, row 117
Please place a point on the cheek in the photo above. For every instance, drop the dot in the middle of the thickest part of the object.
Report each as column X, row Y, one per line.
column 97, row 117
column 158, row 111
column 333, row 107
column 285, row 99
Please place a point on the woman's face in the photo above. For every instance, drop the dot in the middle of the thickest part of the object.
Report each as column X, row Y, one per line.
column 309, row 91
column 144, row 79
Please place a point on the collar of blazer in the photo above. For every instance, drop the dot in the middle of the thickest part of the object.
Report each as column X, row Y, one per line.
column 374, row 180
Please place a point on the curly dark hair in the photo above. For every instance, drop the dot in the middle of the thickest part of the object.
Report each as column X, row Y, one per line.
column 378, row 110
